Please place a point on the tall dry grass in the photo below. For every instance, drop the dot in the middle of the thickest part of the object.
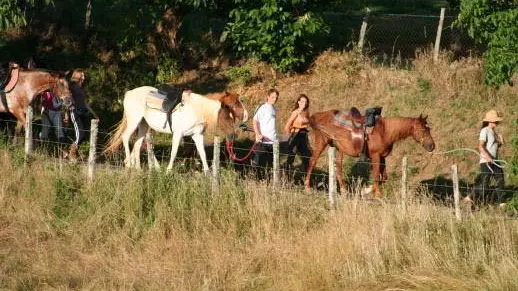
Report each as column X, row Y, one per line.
column 134, row 231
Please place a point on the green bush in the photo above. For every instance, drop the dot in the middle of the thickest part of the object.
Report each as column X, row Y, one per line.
column 241, row 75
column 277, row 32
column 168, row 69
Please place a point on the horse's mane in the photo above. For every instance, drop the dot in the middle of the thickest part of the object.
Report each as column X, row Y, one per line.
column 396, row 128
column 205, row 108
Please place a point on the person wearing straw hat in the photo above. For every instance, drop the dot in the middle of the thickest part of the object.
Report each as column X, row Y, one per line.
column 489, row 143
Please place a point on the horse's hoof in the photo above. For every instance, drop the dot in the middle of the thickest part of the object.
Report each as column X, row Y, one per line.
column 366, row 190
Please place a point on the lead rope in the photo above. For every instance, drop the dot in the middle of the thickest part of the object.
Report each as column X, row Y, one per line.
column 499, row 163
column 232, row 155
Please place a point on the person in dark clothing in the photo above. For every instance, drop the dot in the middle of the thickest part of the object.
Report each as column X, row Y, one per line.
column 297, row 129
column 78, row 111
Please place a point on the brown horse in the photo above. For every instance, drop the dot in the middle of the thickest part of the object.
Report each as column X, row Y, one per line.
column 25, row 85
column 379, row 144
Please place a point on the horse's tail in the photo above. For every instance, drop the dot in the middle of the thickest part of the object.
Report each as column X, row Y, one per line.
column 115, row 140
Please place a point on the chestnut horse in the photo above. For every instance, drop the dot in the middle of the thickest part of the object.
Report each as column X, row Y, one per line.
column 27, row 85
column 379, row 144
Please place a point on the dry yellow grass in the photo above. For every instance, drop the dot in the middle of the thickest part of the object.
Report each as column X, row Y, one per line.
column 129, row 231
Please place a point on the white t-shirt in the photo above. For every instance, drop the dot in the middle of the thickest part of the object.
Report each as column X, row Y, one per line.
column 265, row 116
column 492, row 143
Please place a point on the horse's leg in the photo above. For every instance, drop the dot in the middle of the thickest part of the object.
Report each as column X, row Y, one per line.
column 383, row 170
column 375, row 162
column 339, row 160
column 149, row 144
column 321, row 143
column 198, row 141
column 177, row 137
column 141, row 133
column 20, row 124
column 132, row 124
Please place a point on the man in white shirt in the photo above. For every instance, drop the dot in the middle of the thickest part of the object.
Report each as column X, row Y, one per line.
column 264, row 129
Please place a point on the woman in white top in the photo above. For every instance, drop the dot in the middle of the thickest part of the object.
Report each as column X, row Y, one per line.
column 489, row 143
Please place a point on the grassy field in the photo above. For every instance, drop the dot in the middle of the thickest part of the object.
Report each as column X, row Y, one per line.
column 134, row 231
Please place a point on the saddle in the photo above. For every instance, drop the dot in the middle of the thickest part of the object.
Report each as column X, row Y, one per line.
column 8, row 82
column 359, row 125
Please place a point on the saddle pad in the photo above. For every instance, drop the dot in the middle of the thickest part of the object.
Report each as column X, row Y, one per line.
column 155, row 102
column 344, row 119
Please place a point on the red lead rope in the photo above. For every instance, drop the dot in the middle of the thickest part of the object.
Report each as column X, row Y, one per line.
column 230, row 150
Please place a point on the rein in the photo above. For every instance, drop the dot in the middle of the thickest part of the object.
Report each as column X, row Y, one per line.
column 232, row 154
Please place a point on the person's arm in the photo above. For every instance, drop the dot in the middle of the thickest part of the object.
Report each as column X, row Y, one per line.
column 255, row 124
column 257, row 131
column 483, row 151
column 482, row 141
column 289, row 123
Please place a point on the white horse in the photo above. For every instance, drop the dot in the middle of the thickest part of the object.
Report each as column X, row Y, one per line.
column 142, row 111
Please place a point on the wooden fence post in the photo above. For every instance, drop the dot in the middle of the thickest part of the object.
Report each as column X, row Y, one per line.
column 331, row 153
column 456, row 193
column 363, row 31
column 276, row 163
column 28, row 133
column 215, row 166
column 93, row 144
column 438, row 36
column 151, row 159
column 404, row 170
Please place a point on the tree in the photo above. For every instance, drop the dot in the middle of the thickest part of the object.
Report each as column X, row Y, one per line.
column 280, row 32
column 13, row 12
column 494, row 22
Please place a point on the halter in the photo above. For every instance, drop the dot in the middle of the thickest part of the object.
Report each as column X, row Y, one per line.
column 231, row 106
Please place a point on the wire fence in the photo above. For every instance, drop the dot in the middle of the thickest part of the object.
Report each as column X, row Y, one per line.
column 279, row 177
column 397, row 38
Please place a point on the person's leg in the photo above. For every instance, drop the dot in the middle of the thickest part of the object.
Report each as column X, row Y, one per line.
column 304, row 151
column 45, row 125
column 78, row 125
column 481, row 186
column 57, row 123
column 292, row 150
column 498, row 174
column 258, row 160
column 79, row 132
column 86, row 121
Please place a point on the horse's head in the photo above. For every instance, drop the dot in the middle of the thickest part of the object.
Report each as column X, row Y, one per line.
column 421, row 133
column 61, row 89
column 235, row 105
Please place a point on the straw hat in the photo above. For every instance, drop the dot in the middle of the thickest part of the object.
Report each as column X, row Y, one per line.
column 492, row 116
